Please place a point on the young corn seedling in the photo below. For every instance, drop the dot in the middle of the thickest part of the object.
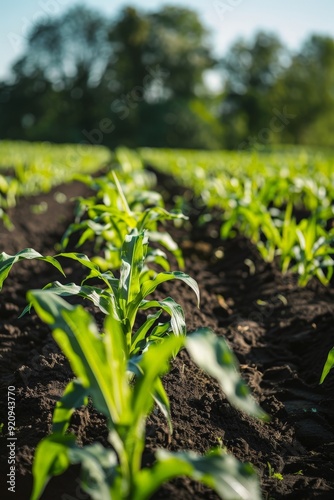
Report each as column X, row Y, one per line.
column 270, row 234
column 313, row 254
column 125, row 296
column 8, row 192
column 124, row 390
column 108, row 223
column 122, row 297
column 280, row 236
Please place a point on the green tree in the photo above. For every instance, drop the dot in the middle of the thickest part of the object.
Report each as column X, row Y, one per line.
column 159, row 60
column 250, row 70
column 306, row 90
column 55, row 91
column 85, row 77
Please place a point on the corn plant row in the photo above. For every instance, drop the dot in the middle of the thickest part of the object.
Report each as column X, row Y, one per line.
column 114, row 210
column 27, row 169
column 260, row 195
column 120, row 368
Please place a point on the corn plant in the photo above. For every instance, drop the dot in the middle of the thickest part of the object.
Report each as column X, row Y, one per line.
column 271, row 232
column 124, row 390
column 121, row 371
column 329, row 364
column 313, row 254
column 8, row 192
column 252, row 189
column 109, row 222
column 280, row 237
column 303, row 247
column 107, row 365
column 125, row 296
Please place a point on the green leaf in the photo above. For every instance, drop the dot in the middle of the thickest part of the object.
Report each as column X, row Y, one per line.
column 51, row 459
column 117, row 359
column 150, row 285
column 96, row 295
column 76, row 334
column 158, row 257
column 160, row 331
column 142, row 331
column 154, row 214
column 79, row 257
column 174, row 309
column 231, row 479
column 133, row 254
column 152, row 364
column 165, row 240
column 6, row 220
column 212, row 354
column 121, row 194
column 98, row 469
column 74, row 396
column 86, row 262
column 7, row 261
column 72, row 228
column 162, row 400
column 328, row 365
column 102, row 299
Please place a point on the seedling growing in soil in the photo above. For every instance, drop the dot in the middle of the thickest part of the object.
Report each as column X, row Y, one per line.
column 313, row 255
column 273, row 474
column 110, row 221
column 262, row 201
column 125, row 296
column 328, row 365
column 122, row 297
column 8, row 192
column 124, row 390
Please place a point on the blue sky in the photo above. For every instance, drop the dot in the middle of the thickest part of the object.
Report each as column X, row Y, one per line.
column 292, row 20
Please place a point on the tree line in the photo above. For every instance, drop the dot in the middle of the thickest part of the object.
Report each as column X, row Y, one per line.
column 141, row 79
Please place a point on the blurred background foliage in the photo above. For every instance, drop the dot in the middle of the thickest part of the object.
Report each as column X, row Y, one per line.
column 141, row 79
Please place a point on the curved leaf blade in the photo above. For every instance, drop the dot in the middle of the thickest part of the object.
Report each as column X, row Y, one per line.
column 231, row 479
column 7, row 261
column 51, row 459
column 212, row 354
column 174, row 309
column 74, row 396
column 149, row 286
column 328, row 365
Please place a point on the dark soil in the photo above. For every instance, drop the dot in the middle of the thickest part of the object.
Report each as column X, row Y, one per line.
column 280, row 333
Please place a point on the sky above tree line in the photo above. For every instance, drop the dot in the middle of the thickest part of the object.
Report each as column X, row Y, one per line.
column 227, row 20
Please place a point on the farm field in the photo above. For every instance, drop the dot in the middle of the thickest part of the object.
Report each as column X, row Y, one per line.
column 278, row 324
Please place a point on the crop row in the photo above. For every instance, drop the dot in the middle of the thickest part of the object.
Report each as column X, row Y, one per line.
column 283, row 202
column 120, row 369
column 28, row 169
column 265, row 197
